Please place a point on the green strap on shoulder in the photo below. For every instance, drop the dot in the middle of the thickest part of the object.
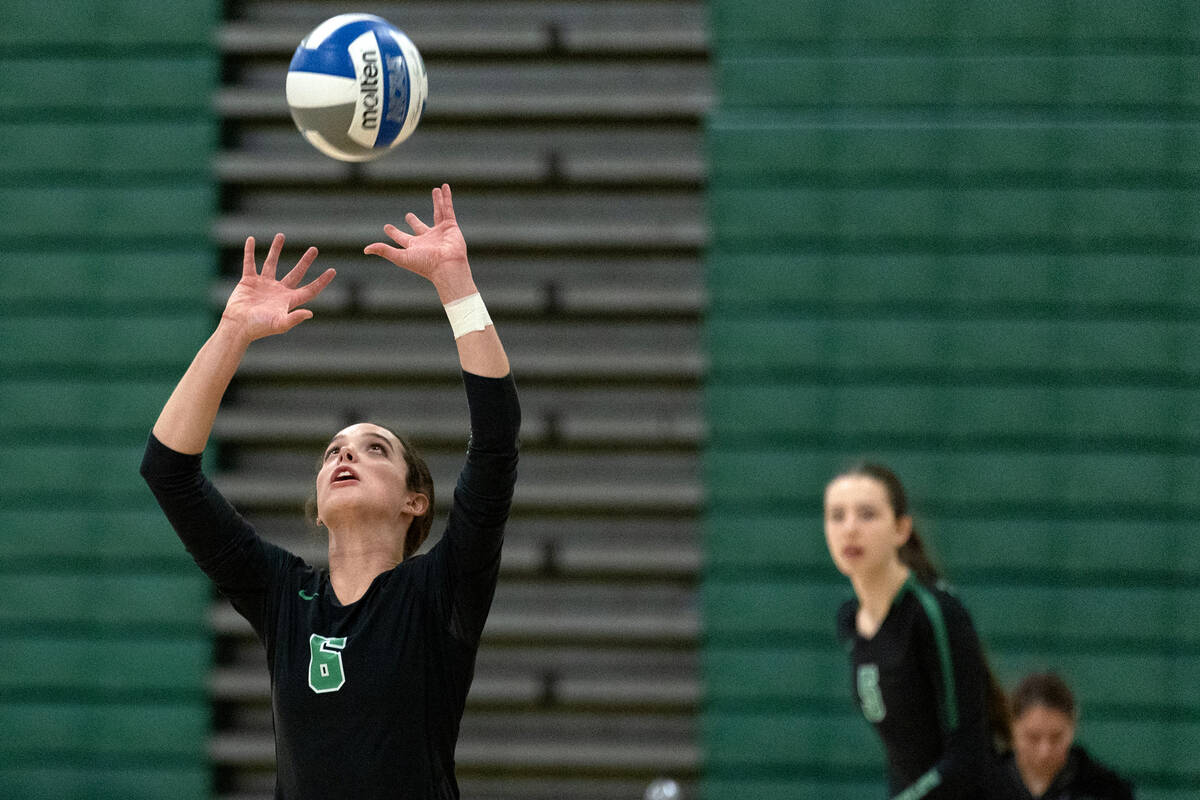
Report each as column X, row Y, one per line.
column 934, row 612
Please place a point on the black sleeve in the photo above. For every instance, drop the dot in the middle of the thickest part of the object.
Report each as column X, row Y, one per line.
column 953, row 658
column 482, row 499
column 220, row 541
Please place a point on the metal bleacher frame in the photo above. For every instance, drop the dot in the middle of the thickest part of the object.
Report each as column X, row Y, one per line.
column 570, row 132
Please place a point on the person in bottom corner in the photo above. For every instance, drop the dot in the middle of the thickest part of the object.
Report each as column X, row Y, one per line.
column 1045, row 757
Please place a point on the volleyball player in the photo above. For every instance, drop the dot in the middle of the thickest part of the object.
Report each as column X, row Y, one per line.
column 918, row 670
column 370, row 660
column 1045, row 756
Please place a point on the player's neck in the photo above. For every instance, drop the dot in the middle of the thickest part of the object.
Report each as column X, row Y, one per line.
column 356, row 560
column 875, row 594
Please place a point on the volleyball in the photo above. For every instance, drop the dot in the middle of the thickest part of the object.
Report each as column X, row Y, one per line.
column 356, row 87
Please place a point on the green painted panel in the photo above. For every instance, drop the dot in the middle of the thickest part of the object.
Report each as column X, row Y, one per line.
column 1162, row 747
column 1109, row 615
column 945, row 217
column 780, row 540
column 43, row 730
column 77, row 473
column 1108, row 685
column 1146, row 790
column 1017, row 81
column 1038, row 416
column 798, row 21
column 755, row 610
column 40, row 535
column 103, row 781
column 81, row 409
column 107, row 23
column 776, row 674
column 180, row 83
column 61, row 666
column 100, row 343
column 137, row 213
column 947, row 23
column 116, row 149
column 112, row 601
column 774, row 145
column 789, row 347
column 1112, row 285
column 136, row 279
column 1152, row 547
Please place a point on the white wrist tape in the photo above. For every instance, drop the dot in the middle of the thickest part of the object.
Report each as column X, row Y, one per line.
column 467, row 314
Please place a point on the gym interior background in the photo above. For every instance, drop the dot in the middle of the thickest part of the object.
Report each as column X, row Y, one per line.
column 731, row 246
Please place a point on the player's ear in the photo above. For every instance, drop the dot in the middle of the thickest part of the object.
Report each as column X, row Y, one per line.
column 416, row 504
column 904, row 529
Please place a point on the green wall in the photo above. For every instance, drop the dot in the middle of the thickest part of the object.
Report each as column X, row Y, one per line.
column 105, row 205
column 961, row 238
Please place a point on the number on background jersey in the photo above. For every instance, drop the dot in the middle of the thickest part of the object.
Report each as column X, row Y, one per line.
column 869, row 694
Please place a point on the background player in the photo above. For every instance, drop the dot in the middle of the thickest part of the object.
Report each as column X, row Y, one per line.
column 1045, row 757
column 919, row 673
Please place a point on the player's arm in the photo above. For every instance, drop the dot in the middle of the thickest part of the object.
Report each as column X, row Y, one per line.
column 223, row 544
column 953, row 657
column 483, row 495
column 259, row 306
column 438, row 253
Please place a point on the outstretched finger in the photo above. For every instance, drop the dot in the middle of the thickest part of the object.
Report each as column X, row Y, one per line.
column 294, row 318
column 443, row 205
column 398, row 236
column 272, row 259
column 309, row 291
column 249, row 268
column 296, row 274
column 392, row 254
column 415, row 223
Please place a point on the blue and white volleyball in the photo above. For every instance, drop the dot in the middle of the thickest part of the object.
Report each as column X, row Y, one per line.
column 356, row 87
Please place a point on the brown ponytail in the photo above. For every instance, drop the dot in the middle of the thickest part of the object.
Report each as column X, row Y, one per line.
column 913, row 555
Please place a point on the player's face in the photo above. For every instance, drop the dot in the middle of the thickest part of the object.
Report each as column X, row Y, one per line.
column 1041, row 741
column 861, row 528
column 362, row 469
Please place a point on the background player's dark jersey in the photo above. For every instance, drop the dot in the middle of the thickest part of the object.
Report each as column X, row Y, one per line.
column 922, row 682
column 366, row 698
column 1081, row 778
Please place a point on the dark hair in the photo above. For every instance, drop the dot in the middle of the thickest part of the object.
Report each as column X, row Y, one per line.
column 419, row 480
column 1043, row 689
column 914, row 556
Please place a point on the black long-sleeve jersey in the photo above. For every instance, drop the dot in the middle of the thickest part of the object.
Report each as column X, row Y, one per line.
column 921, row 680
column 367, row 698
column 1081, row 778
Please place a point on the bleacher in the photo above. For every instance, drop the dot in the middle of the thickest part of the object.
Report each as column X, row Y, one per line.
column 570, row 133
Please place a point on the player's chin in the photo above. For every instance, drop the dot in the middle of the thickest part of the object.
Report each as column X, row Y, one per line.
column 843, row 566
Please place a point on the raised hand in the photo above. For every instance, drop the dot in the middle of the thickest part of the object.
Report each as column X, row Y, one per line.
column 437, row 253
column 262, row 306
